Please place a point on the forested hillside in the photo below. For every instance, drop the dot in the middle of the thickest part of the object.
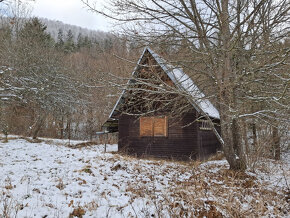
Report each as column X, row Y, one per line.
column 56, row 85
column 53, row 27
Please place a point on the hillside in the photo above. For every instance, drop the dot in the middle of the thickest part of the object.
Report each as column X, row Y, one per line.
column 53, row 27
column 51, row 179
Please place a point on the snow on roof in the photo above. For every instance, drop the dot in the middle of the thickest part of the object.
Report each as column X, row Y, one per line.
column 198, row 97
column 183, row 82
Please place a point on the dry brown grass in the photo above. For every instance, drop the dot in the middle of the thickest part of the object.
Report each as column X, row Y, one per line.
column 87, row 169
column 60, row 185
column 82, row 145
column 77, row 212
column 158, row 161
column 217, row 156
column 3, row 139
column 9, row 207
column 211, row 192
column 37, row 140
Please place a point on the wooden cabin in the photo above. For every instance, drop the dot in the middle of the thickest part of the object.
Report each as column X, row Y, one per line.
column 155, row 130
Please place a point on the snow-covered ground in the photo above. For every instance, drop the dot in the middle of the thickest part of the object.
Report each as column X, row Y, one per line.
column 50, row 179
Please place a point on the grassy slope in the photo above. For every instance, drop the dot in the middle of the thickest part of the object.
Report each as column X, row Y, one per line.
column 54, row 180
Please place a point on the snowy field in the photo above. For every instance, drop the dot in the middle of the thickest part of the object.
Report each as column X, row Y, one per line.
column 51, row 179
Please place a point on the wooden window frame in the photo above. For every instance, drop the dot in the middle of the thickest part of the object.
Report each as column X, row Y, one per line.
column 152, row 132
column 205, row 125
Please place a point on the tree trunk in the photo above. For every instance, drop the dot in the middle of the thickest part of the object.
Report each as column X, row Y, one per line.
column 38, row 125
column 6, row 137
column 90, row 123
column 276, row 143
column 233, row 147
column 231, row 131
column 245, row 137
column 91, row 135
column 68, row 128
column 254, row 132
column 61, row 127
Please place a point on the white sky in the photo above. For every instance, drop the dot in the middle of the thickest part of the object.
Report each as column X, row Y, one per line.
column 70, row 12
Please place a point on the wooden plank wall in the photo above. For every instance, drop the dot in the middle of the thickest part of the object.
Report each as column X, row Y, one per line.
column 181, row 143
column 208, row 143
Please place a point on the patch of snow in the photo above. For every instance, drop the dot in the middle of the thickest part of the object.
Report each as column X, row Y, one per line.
column 52, row 179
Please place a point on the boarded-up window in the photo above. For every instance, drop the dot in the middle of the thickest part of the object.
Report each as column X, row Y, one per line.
column 153, row 126
column 146, row 124
column 160, row 126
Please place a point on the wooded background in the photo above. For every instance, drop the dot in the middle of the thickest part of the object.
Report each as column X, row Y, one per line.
column 237, row 52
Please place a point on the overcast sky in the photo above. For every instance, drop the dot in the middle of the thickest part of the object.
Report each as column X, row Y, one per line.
column 71, row 12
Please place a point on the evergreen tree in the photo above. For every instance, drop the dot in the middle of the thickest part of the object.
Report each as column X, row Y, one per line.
column 69, row 44
column 108, row 44
column 34, row 33
column 80, row 41
column 87, row 43
column 60, row 43
column 83, row 42
column 96, row 44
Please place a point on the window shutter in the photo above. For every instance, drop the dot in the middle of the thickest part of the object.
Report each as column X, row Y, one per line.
column 160, row 126
column 146, row 126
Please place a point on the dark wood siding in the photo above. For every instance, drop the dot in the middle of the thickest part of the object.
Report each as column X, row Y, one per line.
column 181, row 142
column 208, row 143
column 123, row 127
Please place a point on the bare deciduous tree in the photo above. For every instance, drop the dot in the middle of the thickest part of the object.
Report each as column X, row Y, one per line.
column 233, row 45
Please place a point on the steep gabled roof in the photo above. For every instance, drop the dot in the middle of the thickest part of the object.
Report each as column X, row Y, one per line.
column 185, row 83
column 182, row 82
